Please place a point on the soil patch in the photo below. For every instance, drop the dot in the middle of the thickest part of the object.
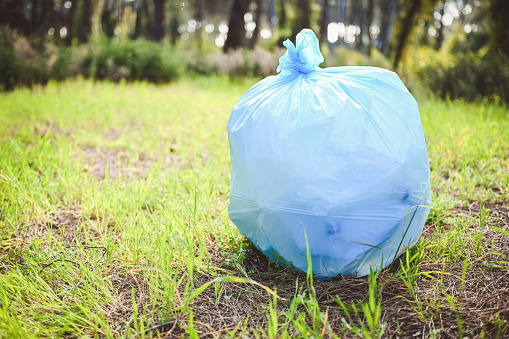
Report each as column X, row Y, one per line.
column 114, row 163
column 119, row 163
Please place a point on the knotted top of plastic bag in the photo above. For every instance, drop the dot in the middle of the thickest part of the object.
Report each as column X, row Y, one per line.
column 303, row 58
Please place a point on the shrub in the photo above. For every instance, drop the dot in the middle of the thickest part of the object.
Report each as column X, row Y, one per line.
column 10, row 68
column 469, row 76
column 61, row 67
column 133, row 60
column 35, row 71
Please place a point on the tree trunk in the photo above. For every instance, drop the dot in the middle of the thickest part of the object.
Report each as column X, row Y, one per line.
column 174, row 26
column 40, row 13
column 385, row 27
column 371, row 10
column 236, row 30
column 273, row 17
column 360, row 20
column 341, row 11
column 66, row 18
column 304, row 18
column 159, row 27
column 340, row 18
column 11, row 14
column 348, row 12
column 199, row 16
column 440, row 34
column 258, row 14
column 412, row 8
column 499, row 12
column 83, row 22
column 138, row 26
column 282, row 16
column 107, row 21
column 325, row 19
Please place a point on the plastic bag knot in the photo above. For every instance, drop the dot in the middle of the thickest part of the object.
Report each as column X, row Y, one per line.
column 303, row 58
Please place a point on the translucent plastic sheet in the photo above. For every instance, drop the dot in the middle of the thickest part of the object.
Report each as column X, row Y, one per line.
column 334, row 155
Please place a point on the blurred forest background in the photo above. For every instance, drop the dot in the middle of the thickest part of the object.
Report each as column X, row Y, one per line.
column 455, row 49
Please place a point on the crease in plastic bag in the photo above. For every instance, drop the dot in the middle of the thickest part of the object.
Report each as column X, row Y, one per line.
column 335, row 154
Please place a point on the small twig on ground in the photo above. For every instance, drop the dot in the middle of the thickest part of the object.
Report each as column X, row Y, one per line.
column 54, row 261
column 91, row 248
column 75, row 262
column 153, row 328
column 328, row 274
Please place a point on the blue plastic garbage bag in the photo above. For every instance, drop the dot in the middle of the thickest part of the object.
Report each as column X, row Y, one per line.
column 336, row 156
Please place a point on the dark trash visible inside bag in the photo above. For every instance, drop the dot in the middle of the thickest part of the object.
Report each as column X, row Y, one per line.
column 334, row 155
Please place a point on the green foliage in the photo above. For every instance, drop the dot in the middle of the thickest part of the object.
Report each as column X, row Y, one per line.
column 469, row 76
column 10, row 68
column 499, row 10
column 463, row 69
column 35, row 71
column 61, row 68
column 134, row 60
column 198, row 64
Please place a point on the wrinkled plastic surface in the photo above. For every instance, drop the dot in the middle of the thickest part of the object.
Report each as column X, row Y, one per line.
column 336, row 155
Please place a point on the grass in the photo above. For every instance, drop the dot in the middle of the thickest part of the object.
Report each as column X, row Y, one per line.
column 114, row 223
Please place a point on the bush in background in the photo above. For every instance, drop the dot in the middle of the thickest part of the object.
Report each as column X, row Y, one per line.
column 25, row 63
column 60, row 65
column 133, row 60
column 462, row 69
column 10, row 68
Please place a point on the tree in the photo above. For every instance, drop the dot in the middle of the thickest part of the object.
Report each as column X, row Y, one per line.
column 410, row 13
column 40, row 15
column 158, row 31
column 256, row 31
column 303, row 19
column 387, row 8
column 236, row 30
column 83, row 21
column 325, row 19
column 108, row 18
column 11, row 14
column 282, row 15
column 368, row 22
column 139, row 8
column 440, row 33
column 411, row 9
column 499, row 12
